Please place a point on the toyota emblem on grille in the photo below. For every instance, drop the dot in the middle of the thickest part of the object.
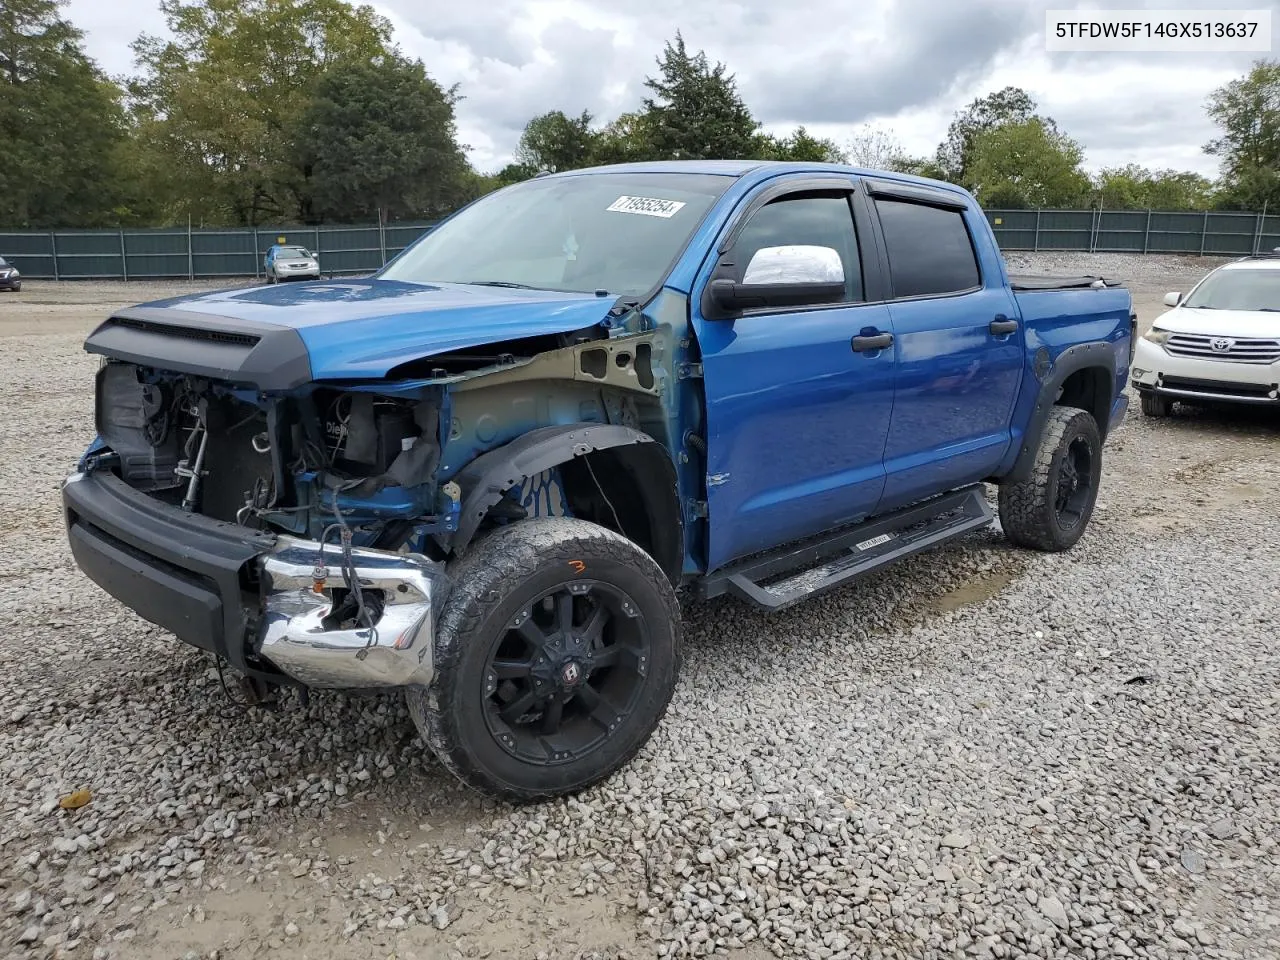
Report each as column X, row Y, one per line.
column 1221, row 344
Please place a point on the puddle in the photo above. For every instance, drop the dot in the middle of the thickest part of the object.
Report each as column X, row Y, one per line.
column 977, row 590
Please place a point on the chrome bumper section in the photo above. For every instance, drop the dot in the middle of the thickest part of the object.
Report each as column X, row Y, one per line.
column 298, row 638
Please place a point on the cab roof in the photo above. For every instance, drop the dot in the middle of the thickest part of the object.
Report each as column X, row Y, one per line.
column 756, row 170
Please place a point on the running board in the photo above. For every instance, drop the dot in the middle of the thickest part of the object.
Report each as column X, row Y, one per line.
column 837, row 559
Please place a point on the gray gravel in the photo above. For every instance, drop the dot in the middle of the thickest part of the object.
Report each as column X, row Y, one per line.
column 1160, row 272
column 981, row 753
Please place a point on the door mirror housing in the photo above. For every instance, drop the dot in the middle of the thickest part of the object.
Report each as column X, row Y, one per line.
column 787, row 276
column 1172, row 298
column 794, row 264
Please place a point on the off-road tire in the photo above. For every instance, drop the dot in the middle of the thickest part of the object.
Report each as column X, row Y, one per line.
column 1028, row 510
column 1154, row 405
column 498, row 577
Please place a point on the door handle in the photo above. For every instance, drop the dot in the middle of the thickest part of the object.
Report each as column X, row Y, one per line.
column 1000, row 326
column 877, row 342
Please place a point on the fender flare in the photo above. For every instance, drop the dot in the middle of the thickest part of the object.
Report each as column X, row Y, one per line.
column 489, row 476
column 1072, row 360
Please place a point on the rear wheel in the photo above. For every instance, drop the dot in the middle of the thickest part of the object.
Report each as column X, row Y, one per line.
column 1154, row 405
column 556, row 656
column 1050, row 510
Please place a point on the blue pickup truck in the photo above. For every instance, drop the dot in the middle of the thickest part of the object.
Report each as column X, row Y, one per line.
column 482, row 474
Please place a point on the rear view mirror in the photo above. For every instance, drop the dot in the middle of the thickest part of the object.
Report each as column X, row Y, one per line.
column 795, row 275
column 1172, row 298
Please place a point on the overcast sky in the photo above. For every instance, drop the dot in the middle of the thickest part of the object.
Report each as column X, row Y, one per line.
column 832, row 65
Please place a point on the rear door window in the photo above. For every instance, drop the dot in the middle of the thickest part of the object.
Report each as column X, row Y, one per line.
column 930, row 251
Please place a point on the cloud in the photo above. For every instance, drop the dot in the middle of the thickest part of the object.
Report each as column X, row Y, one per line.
column 907, row 65
column 1157, row 113
column 916, row 53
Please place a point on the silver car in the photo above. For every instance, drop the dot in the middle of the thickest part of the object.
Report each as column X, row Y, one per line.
column 10, row 278
column 288, row 262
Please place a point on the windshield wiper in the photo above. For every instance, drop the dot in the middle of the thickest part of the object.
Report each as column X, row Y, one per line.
column 500, row 283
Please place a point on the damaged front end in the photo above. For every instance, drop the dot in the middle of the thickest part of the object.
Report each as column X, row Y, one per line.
column 294, row 462
column 317, row 511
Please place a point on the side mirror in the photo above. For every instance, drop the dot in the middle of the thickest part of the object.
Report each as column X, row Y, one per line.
column 1172, row 298
column 796, row 275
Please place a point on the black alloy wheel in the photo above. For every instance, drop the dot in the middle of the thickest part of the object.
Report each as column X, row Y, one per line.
column 1075, row 482
column 566, row 673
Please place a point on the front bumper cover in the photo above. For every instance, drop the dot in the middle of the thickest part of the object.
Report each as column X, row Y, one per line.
column 251, row 597
column 284, row 270
column 1155, row 370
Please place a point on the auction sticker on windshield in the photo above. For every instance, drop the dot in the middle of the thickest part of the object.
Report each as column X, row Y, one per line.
column 649, row 206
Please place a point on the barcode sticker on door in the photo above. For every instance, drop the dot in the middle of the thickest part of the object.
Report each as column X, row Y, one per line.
column 874, row 541
column 649, row 206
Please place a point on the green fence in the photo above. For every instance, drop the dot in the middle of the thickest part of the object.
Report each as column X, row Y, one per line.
column 1136, row 231
column 200, row 253
column 182, row 253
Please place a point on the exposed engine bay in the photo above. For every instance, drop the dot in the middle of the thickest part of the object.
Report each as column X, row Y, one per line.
column 298, row 463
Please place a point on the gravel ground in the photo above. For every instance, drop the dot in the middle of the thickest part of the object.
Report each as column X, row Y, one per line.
column 1143, row 273
column 982, row 752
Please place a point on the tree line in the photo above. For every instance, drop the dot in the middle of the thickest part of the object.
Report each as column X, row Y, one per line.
column 252, row 112
column 305, row 111
column 999, row 146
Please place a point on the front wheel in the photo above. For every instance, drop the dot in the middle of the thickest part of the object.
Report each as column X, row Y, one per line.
column 555, row 658
column 1050, row 510
column 1154, row 405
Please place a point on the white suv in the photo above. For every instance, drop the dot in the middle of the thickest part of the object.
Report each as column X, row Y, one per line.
column 1219, row 343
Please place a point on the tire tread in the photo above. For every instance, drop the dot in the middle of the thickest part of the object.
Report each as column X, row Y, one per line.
column 1026, row 513
column 1154, row 405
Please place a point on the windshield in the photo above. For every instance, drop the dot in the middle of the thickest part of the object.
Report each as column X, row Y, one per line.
column 612, row 232
column 1237, row 290
column 3, row 262
column 292, row 252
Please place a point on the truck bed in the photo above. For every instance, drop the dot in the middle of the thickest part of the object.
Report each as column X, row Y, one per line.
column 1059, row 313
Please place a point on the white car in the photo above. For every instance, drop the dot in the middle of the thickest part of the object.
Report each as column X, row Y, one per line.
column 1219, row 343
column 287, row 262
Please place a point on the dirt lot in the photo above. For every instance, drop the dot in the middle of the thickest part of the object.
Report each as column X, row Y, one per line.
column 980, row 753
